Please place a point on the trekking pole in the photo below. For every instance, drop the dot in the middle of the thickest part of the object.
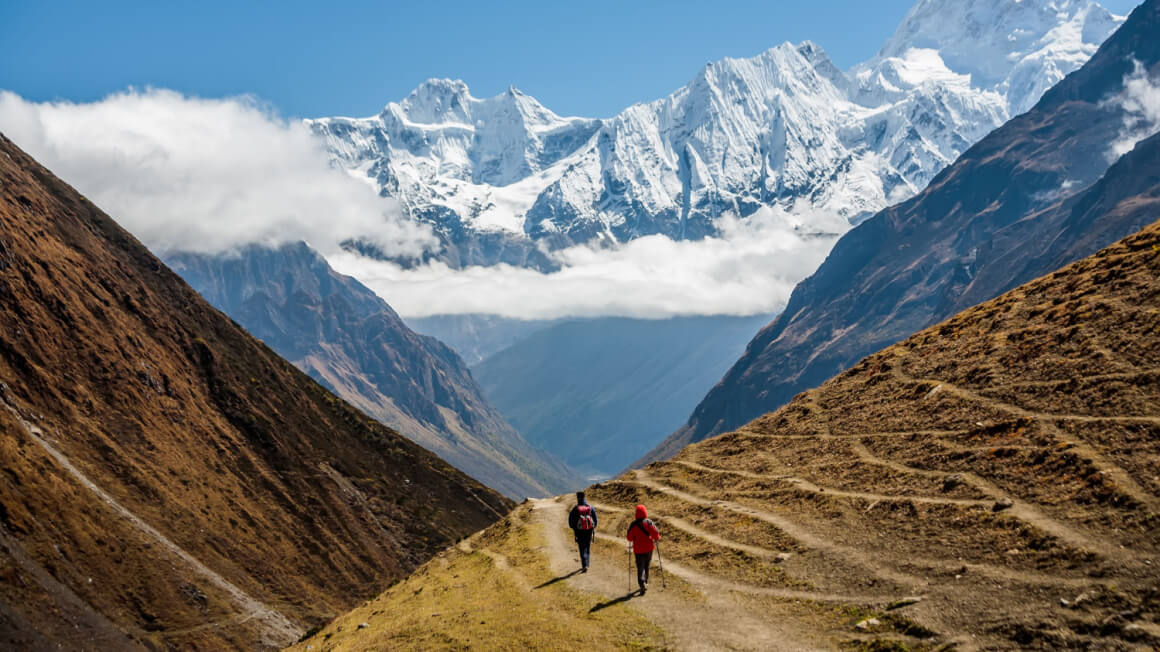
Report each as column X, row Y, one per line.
column 661, row 561
column 629, row 566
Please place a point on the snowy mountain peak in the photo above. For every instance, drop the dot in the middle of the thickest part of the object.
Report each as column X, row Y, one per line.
column 449, row 101
column 785, row 69
column 504, row 179
column 821, row 62
column 438, row 100
column 1018, row 48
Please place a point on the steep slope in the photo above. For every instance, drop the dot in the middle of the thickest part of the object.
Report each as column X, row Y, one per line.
column 600, row 393
column 992, row 220
column 168, row 481
column 993, row 482
column 503, row 179
column 349, row 340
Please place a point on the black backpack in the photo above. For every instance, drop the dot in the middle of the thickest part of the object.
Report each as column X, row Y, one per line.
column 640, row 524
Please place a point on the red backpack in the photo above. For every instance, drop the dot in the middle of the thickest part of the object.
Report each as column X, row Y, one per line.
column 585, row 520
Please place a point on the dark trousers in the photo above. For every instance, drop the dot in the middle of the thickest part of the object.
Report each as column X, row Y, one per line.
column 643, row 559
column 584, row 540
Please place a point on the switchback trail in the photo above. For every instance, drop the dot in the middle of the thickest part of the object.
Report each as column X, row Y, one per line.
column 1020, row 509
column 806, row 537
column 806, row 485
column 1124, row 479
column 682, row 524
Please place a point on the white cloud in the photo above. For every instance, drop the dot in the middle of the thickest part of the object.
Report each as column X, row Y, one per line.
column 1140, row 100
column 205, row 175
column 210, row 175
column 750, row 269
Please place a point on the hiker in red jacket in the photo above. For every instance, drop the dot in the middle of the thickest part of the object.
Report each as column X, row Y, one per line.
column 642, row 533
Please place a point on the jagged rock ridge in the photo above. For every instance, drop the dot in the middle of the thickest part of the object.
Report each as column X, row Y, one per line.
column 506, row 180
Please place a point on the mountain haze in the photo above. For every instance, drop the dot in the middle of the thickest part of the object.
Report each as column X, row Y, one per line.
column 1016, row 205
column 349, row 340
column 477, row 337
column 168, row 480
column 600, row 393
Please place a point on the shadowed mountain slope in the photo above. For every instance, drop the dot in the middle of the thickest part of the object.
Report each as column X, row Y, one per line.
column 992, row 482
column 987, row 223
column 168, row 481
column 348, row 339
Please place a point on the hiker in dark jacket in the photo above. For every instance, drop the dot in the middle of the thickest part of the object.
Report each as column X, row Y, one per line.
column 582, row 520
column 643, row 533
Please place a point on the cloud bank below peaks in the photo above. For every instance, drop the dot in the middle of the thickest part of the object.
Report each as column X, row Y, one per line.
column 212, row 175
column 751, row 268
column 206, row 175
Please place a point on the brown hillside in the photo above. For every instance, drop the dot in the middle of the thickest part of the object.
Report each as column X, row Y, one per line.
column 999, row 464
column 993, row 482
column 167, row 480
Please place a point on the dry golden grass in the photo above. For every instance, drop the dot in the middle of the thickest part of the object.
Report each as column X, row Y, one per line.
column 486, row 594
column 986, row 484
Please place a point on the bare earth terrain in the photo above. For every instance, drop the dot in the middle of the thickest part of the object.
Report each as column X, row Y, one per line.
column 993, row 482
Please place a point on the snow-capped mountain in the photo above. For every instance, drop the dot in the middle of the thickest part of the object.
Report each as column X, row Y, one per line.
column 1019, row 48
column 504, row 179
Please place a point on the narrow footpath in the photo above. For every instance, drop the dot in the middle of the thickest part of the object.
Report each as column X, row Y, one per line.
column 706, row 618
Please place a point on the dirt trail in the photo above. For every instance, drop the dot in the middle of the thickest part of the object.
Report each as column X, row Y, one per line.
column 704, row 582
column 278, row 630
column 1119, row 375
column 885, row 433
column 807, row 538
column 1004, row 574
column 1019, row 509
column 971, row 395
column 1121, row 477
column 802, row 483
column 682, row 524
column 716, row 623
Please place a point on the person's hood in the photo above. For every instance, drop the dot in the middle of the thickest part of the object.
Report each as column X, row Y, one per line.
column 641, row 512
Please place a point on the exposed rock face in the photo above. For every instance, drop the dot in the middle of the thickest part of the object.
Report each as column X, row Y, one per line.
column 347, row 338
column 1026, row 199
column 168, row 480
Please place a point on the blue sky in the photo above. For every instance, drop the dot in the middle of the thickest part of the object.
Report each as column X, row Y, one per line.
column 349, row 58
